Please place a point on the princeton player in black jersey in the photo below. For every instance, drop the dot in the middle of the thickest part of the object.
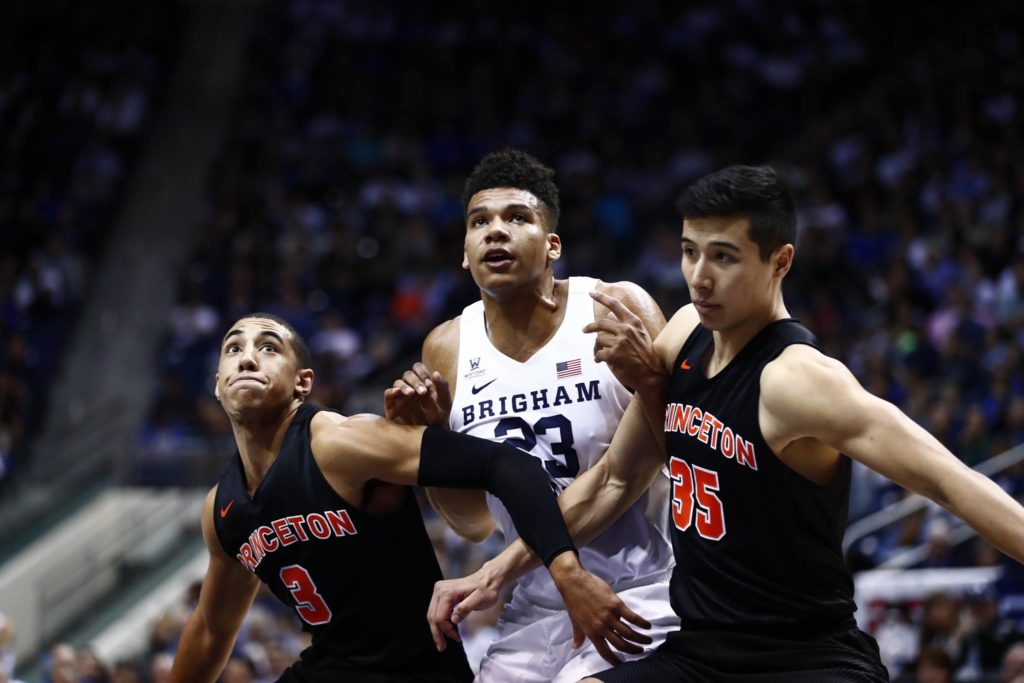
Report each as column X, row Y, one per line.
column 759, row 428
column 318, row 506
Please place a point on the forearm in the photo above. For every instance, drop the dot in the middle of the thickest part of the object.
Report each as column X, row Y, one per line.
column 651, row 395
column 201, row 654
column 989, row 510
column 456, row 460
column 589, row 505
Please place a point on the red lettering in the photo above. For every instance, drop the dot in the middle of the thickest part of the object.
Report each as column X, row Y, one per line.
column 696, row 415
column 247, row 559
column 318, row 526
column 284, row 533
column 257, row 548
column 745, row 453
column 716, row 429
column 297, row 521
column 271, row 545
column 728, row 442
column 705, row 427
column 340, row 522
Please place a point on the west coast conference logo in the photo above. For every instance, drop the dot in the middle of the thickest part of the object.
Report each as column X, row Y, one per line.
column 474, row 369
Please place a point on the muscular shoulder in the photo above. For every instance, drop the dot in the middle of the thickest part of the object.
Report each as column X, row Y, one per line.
column 677, row 330
column 441, row 348
column 327, row 433
column 803, row 392
column 636, row 300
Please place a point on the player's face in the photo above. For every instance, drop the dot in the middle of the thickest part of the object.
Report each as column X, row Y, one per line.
column 507, row 241
column 729, row 283
column 258, row 367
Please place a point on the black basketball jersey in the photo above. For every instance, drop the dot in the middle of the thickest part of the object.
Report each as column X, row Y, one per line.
column 757, row 545
column 360, row 583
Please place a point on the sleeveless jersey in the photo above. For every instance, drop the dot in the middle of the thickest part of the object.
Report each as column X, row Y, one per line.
column 561, row 407
column 360, row 583
column 757, row 545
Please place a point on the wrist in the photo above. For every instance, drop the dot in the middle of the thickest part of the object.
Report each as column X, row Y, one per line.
column 653, row 385
column 564, row 567
column 495, row 573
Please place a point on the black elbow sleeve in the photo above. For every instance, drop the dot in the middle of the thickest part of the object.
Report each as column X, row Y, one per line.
column 457, row 460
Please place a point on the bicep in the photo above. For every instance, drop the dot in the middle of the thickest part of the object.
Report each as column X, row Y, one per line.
column 886, row 440
column 365, row 447
column 858, row 424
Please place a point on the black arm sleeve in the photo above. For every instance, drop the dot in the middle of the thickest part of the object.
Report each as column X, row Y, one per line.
column 460, row 461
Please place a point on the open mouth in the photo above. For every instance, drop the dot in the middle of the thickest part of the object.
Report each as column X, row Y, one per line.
column 497, row 257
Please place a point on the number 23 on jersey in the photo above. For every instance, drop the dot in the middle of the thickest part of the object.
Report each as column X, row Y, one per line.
column 695, row 501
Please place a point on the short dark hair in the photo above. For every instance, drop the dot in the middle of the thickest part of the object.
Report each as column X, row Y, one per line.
column 758, row 192
column 515, row 168
column 299, row 345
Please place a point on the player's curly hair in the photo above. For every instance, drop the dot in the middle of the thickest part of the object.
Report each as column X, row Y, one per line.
column 758, row 192
column 517, row 169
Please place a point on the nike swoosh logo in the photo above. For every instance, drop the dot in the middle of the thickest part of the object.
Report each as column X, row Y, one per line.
column 478, row 389
column 685, row 365
column 224, row 510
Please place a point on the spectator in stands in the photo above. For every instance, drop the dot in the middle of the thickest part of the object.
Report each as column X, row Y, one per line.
column 60, row 667
column 933, row 666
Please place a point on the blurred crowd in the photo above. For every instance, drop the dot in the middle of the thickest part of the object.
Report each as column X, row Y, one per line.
column 75, row 98
column 335, row 204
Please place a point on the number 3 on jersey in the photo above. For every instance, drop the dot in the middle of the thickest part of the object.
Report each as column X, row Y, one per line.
column 308, row 602
column 693, row 488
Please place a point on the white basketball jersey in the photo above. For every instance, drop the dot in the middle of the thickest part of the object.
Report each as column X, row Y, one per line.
column 561, row 407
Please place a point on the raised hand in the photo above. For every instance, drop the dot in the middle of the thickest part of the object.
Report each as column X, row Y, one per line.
column 596, row 611
column 454, row 599
column 419, row 397
column 624, row 343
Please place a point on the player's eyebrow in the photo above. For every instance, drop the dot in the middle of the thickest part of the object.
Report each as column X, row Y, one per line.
column 264, row 333
column 507, row 207
column 715, row 243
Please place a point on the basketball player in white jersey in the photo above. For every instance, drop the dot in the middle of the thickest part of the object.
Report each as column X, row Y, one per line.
column 523, row 372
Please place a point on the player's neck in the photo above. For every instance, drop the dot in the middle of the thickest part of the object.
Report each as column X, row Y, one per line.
column 520, row 323
column 730, row 342
column 259, row 438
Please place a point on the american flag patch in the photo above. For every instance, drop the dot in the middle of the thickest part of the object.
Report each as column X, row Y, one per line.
column 568, row 368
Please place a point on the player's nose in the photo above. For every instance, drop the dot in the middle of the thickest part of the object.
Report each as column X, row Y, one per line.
column 497, row 231
column 700, row 277
column 247, row 359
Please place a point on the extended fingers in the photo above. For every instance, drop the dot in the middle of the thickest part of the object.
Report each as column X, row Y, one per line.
column 614, row 305
column 444, row 391
column 633, row 617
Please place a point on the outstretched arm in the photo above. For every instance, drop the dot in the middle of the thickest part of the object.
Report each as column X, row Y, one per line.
column 882, row 437
column 227, row 593
column 590, row 504
column 354, row 450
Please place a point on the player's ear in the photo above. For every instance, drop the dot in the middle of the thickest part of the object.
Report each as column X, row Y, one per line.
column 465, row 260
column 554, row 247
column 216, row 386
column 782, row 260
column 304, row 383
